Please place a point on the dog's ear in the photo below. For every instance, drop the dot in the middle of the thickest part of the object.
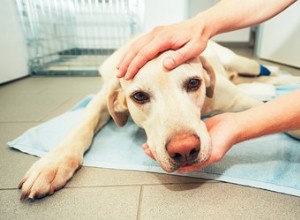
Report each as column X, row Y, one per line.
column 210, row 78
column 116, row 103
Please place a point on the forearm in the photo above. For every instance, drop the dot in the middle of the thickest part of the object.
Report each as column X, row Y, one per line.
column 229, row 15
column 279, row 115
column 189, row 38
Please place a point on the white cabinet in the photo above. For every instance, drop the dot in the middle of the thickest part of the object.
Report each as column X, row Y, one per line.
column 279, row 38
column 158, row 12
column 13, row 55
column 239, row 36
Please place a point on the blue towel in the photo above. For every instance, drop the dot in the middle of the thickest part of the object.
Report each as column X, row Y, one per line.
column 270, row 162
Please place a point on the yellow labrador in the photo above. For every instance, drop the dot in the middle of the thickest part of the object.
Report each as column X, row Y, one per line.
column 167, row 104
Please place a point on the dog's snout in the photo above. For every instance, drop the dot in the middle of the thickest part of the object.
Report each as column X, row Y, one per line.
column 183, row 148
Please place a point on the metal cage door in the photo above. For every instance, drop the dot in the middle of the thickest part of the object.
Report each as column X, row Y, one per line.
column 72, row 37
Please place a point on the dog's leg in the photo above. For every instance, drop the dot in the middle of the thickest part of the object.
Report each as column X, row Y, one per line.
column 294, row 134
column 52, row 171
column 227, row 98
column 235, row 63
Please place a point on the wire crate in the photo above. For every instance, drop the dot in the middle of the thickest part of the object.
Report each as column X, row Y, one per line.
column 73, row 37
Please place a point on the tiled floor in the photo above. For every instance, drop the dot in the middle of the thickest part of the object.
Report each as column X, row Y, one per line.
column 96, row 193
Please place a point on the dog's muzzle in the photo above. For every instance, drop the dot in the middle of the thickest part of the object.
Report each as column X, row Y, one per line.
column 183, row 149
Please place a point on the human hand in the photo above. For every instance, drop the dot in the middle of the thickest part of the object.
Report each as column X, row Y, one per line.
column 187, row 39
column 147, row 151
column 223, row 130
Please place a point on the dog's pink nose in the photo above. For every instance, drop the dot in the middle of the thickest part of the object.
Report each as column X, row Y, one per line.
column 183, row 148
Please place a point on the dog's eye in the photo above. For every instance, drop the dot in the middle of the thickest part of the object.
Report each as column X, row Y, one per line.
column 140, row 97
column 193, row 84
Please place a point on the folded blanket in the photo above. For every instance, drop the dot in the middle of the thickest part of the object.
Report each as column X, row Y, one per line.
column 270, row 162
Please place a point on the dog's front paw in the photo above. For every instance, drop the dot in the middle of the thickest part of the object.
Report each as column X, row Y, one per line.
column 48, row 175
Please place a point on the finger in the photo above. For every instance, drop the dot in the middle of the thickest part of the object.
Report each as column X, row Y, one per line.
column 191, row 168
column 131, row 52
column 145, row 146
column 148, row 151
column 209, row 123
column 150, row 51
column 190, row 50
column 126, row 60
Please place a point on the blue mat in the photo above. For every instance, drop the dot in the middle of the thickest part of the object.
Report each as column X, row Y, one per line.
column 270, row 162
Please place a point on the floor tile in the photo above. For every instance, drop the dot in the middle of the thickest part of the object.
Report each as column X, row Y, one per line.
column 41, row 85
column 29, row 107
column 89, row 176
column 11, row 130
column 80, row 203
column 73, row 85
column 13, row 164
column 215, row 201
column 28, row 85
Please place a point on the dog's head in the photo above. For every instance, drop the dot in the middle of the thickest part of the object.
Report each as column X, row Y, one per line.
column 167, row 104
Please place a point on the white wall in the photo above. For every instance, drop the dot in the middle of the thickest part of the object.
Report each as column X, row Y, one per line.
column 279, row 38
column 240, row 36
column 13, row 55
column 163, row 12
column 196, row 6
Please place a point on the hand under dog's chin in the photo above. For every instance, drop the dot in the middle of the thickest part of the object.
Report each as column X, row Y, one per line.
column 196, row 165
column 169, row 166
column 191, row 168
column 173, row 167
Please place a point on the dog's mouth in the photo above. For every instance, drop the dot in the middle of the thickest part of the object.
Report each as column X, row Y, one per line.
column 181, row 166
column 169, row 165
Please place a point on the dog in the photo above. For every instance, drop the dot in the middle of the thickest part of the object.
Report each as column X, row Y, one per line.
column 168, row 105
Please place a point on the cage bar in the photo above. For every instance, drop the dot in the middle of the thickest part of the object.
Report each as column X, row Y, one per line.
column 72, row 37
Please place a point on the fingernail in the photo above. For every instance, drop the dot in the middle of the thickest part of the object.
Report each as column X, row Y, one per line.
column 127, row 76
column 120, row 74
column 169, row 63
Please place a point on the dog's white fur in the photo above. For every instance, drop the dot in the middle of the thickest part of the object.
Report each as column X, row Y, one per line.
column 171, row 109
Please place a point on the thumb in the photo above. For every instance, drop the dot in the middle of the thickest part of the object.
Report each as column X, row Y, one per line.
column 178, row 57
column 174, row 59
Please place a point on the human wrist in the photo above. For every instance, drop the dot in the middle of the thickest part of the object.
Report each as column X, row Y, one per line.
column 247, row 126
column 201, row 25
column 236, row 128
